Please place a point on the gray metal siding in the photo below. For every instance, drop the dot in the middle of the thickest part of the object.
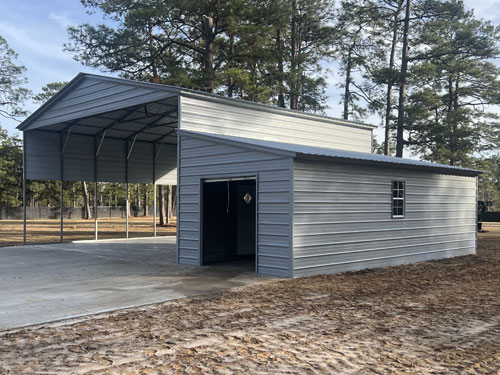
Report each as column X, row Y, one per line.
column 78, row 158
column 226, row 119
column 43, row 153
column 111, row 165
column 43, row 159
column 93, row 96
column 342, row 217
column 166, row 165
column 201, row 159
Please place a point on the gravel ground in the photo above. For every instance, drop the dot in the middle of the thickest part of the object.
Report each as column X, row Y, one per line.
column 439, row 317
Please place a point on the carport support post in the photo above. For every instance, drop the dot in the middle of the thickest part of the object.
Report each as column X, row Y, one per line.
column 62, row 212
column 154, row 189
column 126, row 184
column 154, row 209
column 96, row 208
column 126, row 212
column 95, row 189
column 24, row 188
column 61, row 198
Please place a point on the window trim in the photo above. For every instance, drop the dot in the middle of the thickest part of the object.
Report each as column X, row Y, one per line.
column 403, row 199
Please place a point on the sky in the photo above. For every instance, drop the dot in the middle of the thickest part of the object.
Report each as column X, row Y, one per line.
column 37, row 31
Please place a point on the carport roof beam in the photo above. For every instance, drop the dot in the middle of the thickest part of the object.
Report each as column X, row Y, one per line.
column 154, row 123
column 132, row 147
column 119, row 120
column 162, row 138
column 67, row 139
column 100, row 143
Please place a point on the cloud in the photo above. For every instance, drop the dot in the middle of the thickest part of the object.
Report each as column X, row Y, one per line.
column 29, row 41
column 489, row 10
column 63, row 20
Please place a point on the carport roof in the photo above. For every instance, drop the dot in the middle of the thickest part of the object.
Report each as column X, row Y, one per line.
column 90, row 97
column 296, row 150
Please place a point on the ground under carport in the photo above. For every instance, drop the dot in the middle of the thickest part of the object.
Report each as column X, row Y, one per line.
column 42, row 283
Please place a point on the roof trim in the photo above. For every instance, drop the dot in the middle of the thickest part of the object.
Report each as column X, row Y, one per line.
column 323, row 153
column 189, row 93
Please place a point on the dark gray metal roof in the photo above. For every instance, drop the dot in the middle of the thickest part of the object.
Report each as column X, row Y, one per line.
column 295, row 150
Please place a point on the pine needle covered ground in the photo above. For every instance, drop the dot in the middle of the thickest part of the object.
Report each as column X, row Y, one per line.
column 439, row 317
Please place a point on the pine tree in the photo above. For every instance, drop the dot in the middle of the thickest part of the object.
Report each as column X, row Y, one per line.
column 356, row 47
column 454, row 84
column 12, row 81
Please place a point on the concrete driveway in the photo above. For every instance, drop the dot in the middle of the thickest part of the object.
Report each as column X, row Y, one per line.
column 42, row 283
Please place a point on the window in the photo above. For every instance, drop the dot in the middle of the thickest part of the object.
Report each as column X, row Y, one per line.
column 398, row 199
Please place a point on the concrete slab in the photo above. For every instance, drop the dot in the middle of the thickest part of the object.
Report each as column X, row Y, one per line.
column 42, row 283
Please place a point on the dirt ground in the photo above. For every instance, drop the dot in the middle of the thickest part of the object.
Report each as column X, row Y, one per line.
column 439, row 317
column 47, row 231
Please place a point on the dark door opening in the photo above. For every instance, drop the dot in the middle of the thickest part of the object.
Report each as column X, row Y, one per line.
column 229, row 221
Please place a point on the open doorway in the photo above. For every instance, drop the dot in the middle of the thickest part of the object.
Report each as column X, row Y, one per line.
column 229, row 212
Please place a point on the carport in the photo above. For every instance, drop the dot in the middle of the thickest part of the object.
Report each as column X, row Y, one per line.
column 103, row 129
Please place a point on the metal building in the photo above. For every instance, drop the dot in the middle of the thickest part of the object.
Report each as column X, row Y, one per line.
column 299, row 194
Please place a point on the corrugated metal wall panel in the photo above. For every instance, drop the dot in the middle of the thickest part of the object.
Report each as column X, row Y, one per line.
column 226, row 119
column 79, row 158
column 166, row 165
column 201, row 159
column 342, row 218
column 43, row 159
column 140, row 163
column 111, row 164
column 43, row 155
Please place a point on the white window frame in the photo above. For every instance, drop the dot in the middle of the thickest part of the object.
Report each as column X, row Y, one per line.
column 400, row 199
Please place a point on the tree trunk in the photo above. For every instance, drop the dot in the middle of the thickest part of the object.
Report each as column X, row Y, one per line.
column 208, row 53
column 127, row 194
column 170, row 204
column 402, row 83
column 137, row 200
column 86, row 201
column 294, row 95
column 230, row 84
column 347, row 88
column 152, row 55
column 281, row 87
column 390, row 84
column 163, row 214
column 146, row 201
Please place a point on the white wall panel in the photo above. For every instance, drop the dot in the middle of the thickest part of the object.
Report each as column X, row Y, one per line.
column 228, row 119
column 166, row 165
